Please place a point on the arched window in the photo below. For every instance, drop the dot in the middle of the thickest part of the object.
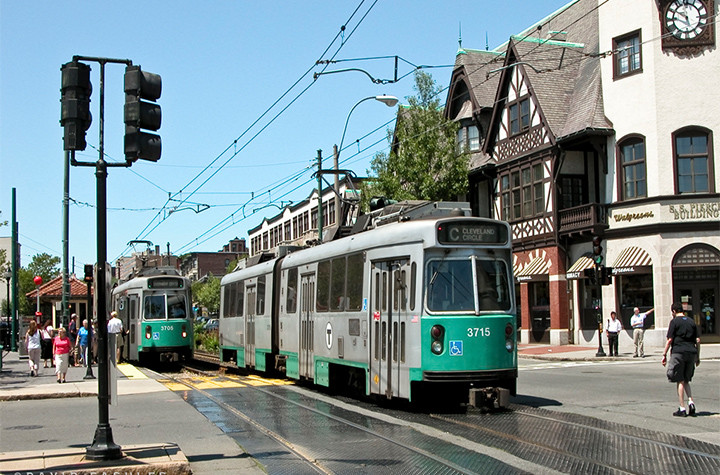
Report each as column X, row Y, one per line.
column 633, row 178
column 692, row 151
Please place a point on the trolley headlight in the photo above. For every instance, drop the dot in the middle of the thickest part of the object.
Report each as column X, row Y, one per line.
column 184, row 331
column 436, row 347
column 148, row 332
column 437, row 333
column 509, row 341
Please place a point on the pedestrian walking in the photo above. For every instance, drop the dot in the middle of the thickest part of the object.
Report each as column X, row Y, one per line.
column 637, row 321
column 82, row 341
column 614, row 327
column 32, row 340
column 61, row 350
column 72, row 334
column 115, row 328
column 683, row 340
column 94, row 342
column 47, row 333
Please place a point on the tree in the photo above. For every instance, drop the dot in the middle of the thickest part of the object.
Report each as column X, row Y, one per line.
column 207, row 293
column 423, row 163
column 44, row 265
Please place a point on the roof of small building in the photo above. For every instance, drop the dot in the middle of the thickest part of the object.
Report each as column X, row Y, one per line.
column 53, row 288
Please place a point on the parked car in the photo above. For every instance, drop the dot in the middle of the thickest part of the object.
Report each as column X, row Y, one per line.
column 212, row 324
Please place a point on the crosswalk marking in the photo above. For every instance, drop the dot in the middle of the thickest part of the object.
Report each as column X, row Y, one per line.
column 228, row 381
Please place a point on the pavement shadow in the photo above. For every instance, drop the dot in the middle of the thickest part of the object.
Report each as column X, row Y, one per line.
column 534, row 401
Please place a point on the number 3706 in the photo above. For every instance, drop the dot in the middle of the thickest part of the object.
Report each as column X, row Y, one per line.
column 478, row 332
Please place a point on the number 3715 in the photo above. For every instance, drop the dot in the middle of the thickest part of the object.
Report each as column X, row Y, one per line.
column 478, row 332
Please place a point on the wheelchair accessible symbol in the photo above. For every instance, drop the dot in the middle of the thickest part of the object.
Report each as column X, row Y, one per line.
column 456, row 348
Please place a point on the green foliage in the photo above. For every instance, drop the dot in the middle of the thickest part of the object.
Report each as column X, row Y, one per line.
column 207, row 293
column 424, row 164
column 206, row 340
column 44, row 265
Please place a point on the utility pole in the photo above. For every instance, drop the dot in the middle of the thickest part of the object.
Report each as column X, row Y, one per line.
column 319, row 190
column 336, row 163
column 14, row 263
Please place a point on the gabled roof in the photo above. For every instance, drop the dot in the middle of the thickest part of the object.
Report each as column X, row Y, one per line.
column 564, row 76
column 566, row 82
column 53, row 288
column 475, row 66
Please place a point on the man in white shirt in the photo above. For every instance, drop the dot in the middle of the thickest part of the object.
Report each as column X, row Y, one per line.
column 115, row 327
column 614, row 327
column 638, row 323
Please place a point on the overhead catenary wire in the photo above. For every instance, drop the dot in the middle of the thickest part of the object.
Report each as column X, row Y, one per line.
column 526, row 56
column 341, row 34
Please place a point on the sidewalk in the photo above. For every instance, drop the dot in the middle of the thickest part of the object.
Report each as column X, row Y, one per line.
column 710, row 351
column 46, row 426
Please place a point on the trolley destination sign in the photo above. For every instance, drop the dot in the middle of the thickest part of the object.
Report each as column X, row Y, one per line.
column 472, row 232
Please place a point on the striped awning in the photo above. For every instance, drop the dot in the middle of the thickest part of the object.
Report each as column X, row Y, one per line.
column 576, row 271
column 632, row 260
column 537, row 269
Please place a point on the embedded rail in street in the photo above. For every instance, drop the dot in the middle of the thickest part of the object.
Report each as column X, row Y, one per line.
column 278, row 421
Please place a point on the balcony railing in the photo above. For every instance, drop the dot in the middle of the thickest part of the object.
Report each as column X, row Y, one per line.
column 584, row 218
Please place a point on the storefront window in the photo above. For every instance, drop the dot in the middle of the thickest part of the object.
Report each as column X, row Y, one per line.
column 540, row 311
column 636, row 290
column 588, row 311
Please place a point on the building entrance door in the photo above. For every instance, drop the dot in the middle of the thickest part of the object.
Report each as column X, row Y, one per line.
column 698, row 300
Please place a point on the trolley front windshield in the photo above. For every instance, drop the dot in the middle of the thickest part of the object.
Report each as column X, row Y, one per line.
column 162, row 306
column 467, row 285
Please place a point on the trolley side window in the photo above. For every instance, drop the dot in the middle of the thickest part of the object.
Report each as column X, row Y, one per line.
column 260, row 309
column 323, row 286
column 239, row 302
column 291, row 298
column 337, row 286
column 354, row 282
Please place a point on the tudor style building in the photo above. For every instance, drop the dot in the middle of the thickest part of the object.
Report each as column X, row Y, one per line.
column 598, row 121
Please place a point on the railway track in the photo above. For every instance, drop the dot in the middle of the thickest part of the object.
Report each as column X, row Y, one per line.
column 356, row 435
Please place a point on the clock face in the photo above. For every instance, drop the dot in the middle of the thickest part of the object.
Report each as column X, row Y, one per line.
column 686, row 19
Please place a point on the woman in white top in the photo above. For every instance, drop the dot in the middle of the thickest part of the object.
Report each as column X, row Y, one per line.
column 32, row 340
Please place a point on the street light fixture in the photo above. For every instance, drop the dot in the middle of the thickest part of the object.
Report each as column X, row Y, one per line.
column 389, row 101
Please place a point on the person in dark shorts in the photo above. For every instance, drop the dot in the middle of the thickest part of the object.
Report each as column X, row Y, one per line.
column 684, row 339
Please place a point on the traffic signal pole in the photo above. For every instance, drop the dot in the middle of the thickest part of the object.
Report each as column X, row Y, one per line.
column 76, row 119
column 103, row 446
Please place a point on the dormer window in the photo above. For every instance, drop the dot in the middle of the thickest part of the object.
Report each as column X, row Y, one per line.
column 468, row 139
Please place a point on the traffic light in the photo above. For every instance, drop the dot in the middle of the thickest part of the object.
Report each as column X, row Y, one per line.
column 88, row 273
column 597, row 250
column 142, row 114
column 75, row 114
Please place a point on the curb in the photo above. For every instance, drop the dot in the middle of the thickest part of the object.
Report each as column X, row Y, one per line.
column 137, row 459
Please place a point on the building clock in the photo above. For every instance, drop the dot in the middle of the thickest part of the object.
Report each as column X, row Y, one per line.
column 687, row 25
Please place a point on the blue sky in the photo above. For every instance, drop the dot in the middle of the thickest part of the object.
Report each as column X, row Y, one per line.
column 223, row 64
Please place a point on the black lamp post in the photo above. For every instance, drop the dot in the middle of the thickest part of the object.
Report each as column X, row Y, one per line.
column 89, row 354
